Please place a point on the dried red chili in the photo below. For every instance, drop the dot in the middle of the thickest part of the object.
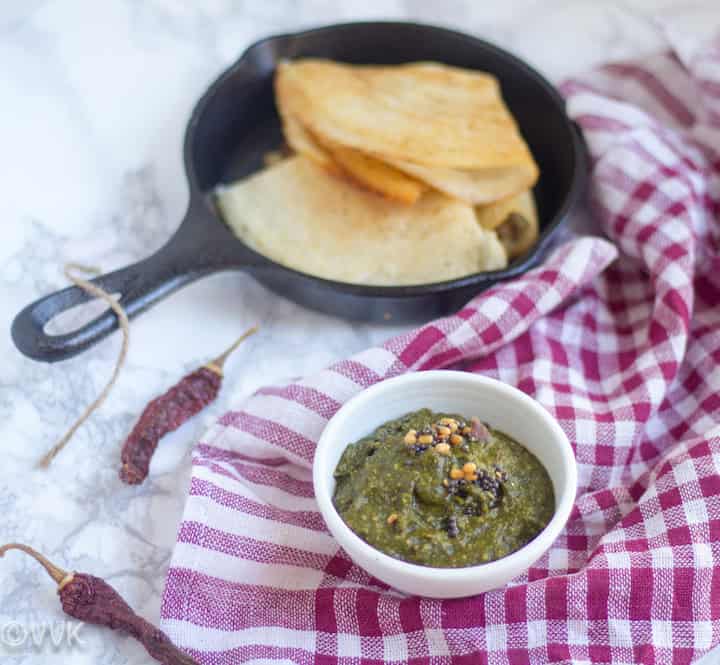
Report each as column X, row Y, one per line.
column 92, row 600
column 168, row 411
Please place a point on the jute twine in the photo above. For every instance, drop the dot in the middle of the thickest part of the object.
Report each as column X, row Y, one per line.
column 124, row 324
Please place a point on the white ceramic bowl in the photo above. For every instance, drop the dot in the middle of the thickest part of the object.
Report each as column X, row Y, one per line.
column 503, row 407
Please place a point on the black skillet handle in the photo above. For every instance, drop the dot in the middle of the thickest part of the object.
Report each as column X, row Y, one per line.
column 202, row 245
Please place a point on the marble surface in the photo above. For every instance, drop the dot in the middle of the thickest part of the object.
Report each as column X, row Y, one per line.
column 95, row 97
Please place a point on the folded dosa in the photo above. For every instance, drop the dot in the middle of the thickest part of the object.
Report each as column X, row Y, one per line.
column 297, row 215
column 444, row 126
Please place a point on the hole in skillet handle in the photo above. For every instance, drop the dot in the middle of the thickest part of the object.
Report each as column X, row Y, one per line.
column 77, row 316
column 62, row 324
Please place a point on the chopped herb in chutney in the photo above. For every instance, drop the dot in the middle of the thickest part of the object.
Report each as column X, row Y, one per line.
column 442, row 490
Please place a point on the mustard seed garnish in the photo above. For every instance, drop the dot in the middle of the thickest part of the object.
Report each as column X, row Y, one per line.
column 453, row 531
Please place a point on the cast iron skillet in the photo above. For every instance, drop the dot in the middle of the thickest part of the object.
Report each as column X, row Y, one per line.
column 235, row 123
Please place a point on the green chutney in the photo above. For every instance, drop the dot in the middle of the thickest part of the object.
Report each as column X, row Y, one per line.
column 442, row 490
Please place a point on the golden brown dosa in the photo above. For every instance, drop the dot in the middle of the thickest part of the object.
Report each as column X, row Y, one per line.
column 423, row 113
column 432, row 110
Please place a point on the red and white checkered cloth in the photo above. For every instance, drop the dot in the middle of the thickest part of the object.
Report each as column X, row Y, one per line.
column 625, row 354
